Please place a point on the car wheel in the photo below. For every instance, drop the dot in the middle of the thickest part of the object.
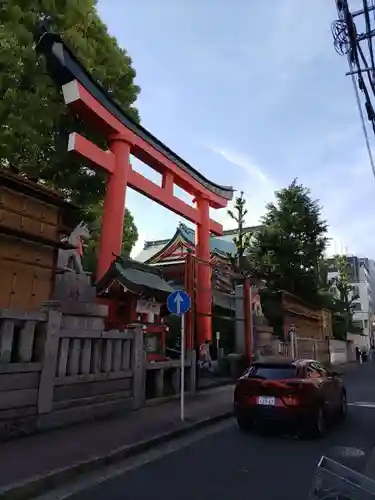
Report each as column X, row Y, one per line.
column 244, row 424
column 317, row 424
column 343, row 405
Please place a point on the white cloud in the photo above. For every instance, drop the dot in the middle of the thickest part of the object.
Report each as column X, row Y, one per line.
column 242, row 162
column 345, row 191
column 259, row 190
column 256, row 184
column 266, row 83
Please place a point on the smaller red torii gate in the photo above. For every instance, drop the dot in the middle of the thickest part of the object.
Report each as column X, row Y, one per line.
column 86, row 98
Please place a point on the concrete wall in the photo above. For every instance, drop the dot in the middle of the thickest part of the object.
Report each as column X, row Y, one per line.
column 339, row 351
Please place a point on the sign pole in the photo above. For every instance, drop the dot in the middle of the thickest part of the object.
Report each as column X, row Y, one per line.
column 179, row 303
column 292, row 340
column 182, row 397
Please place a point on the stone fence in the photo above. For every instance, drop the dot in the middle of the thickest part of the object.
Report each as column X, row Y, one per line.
column 61, row 366
column 329, row 351
column 304, row 348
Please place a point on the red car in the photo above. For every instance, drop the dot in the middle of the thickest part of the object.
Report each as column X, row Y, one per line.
column 301, row 392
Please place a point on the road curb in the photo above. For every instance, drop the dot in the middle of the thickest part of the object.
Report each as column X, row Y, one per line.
column 37, row 485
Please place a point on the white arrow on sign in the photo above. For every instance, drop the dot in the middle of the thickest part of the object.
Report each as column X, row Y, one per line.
column 179, row 300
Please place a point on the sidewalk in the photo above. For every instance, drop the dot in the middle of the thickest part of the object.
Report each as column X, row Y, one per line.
column 40, row 454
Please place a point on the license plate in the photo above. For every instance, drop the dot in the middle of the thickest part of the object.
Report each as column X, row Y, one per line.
column 266, row 401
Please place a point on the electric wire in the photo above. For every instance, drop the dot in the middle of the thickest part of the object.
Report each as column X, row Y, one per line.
column 369, row 40
column 367, row 140
column 346, row 41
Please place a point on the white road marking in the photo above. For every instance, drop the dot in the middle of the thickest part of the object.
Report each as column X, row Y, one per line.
column 347, row 452
column 363, row 404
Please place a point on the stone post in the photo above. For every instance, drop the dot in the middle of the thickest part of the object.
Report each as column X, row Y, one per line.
column 240, row 326
column 192, row 356
column 138, row 365
column 51, row 346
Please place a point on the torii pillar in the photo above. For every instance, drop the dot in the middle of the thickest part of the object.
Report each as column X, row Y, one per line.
column 110, row 242
column 203, row 291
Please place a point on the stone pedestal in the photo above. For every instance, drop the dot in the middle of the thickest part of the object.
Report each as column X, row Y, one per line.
column 73, row 286
column 79, row 315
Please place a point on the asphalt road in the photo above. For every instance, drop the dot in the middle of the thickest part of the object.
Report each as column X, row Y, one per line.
column 229, row 465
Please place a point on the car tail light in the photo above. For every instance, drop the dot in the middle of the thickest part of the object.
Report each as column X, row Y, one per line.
column 291, row 400
column 245, row 399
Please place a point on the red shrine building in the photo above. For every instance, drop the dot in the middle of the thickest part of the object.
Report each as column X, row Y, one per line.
column 170, row 253
column 169, row 256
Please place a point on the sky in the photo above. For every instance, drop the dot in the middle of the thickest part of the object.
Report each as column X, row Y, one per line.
column 252, row 94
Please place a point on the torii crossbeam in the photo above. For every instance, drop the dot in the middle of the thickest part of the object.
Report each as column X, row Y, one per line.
column 88, row 99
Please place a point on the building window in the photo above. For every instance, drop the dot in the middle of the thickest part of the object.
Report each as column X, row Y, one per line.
column 365, row 323
column 357, row 306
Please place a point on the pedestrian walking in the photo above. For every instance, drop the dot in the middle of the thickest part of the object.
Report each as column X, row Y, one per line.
column 357, row 353
column 205, row 355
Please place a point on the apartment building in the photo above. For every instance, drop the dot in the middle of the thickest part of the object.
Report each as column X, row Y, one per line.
column 361, row 271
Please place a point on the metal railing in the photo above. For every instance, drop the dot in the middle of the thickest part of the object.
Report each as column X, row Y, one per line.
column 333, row 481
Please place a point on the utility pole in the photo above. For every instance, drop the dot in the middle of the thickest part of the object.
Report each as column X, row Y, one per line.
column 358, row 48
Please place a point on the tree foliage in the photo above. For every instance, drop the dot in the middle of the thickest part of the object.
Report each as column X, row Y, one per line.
column 345, row 290
column 287, row 250
column 92, row 217
column 242, row 238
column 34, row 122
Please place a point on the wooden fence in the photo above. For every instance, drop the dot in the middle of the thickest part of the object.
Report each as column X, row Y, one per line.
column 61, row 366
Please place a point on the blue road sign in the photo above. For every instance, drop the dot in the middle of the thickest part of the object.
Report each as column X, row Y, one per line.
column 178, row 302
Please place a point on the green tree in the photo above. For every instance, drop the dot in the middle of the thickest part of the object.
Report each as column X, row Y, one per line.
column 346, row 291
column 287, row 250
column 92, row 216
column 34, row 122
column 242, row 238
column 323, row 269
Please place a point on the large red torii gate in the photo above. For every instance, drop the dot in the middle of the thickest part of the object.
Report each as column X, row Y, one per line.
column 88, row 99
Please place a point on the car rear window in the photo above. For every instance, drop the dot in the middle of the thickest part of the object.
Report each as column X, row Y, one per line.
column 273, row 372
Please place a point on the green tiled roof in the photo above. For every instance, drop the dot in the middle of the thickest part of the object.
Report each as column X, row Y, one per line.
column 136, row 277
column 221, row 244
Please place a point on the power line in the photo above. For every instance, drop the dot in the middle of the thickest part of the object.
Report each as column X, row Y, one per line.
column 363, row 123
column 347, row 41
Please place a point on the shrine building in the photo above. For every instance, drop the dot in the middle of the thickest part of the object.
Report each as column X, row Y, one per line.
column 169, row 256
